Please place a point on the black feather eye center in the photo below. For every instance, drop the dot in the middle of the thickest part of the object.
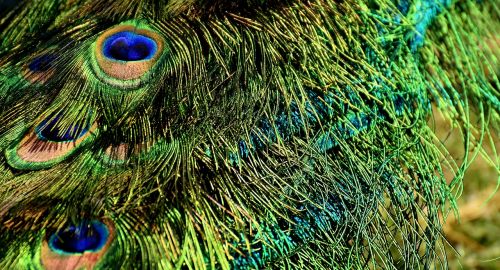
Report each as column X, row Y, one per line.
column 129, row 46
column 42, row 63
column 86, row 236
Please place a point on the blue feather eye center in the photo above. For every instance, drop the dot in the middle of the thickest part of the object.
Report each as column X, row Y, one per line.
column 85, row 237
column 42, row 63
column 129, row 46
column 50, row 130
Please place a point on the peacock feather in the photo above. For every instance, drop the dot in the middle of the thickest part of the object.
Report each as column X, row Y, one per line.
column 287, row 134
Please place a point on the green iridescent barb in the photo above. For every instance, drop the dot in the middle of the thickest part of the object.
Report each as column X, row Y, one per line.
column 249, row 134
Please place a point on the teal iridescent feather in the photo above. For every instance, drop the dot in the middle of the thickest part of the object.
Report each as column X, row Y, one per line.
column 239, row 134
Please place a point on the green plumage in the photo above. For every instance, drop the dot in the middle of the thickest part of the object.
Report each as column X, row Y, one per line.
column 239, row 134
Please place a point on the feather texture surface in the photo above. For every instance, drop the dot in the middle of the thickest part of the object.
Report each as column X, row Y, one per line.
column 282, row 134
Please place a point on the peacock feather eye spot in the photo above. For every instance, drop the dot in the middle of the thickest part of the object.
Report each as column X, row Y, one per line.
column 42, row 63
column 124, row 55
column 84, row 237
column 49, row 130
column 51, row 140
column 80, row 245
column 40, row 69
column 129, row 46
